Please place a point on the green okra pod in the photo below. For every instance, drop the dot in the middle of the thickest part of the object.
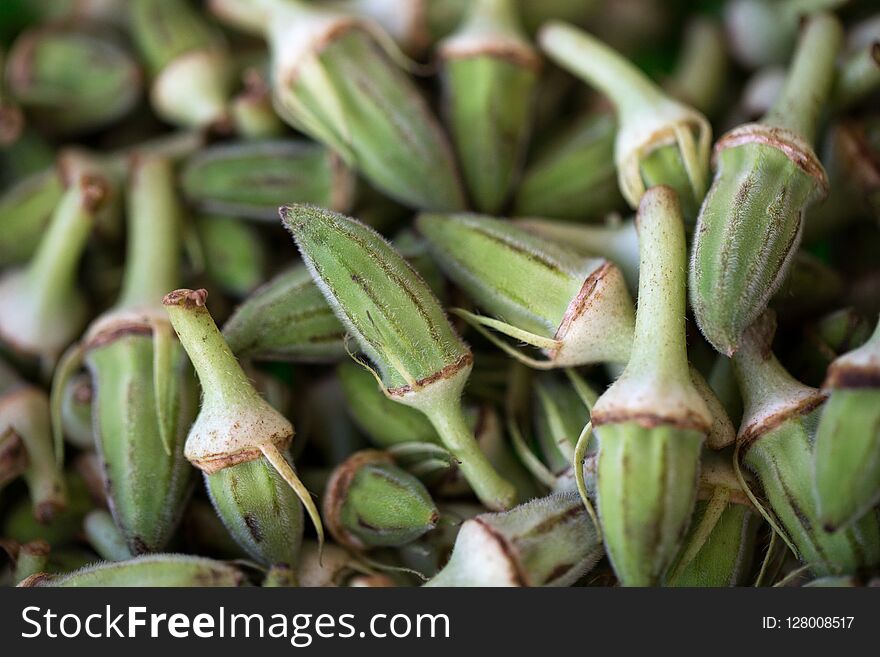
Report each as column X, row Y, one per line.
column 334, row 78
column 234, row 253
column 371, row 502
column 573, row 177
column 104, row 537
column 489, row 72
column 652, row 422
column 252, row 179
column 25, row 210
column 239, row 442
column 659, row 140
column 160, row 570
column 398, row 323
column 143, row 390
column 72, row 78
column 776, row 443
column 847, row 452
column 286, row 319
column 576, row 310
column 549, row 541
column 189, row 62
column 751, row 222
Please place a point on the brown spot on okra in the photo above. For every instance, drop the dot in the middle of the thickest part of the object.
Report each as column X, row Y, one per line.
column 253, row 527
column 852, row 376
column 137, row 545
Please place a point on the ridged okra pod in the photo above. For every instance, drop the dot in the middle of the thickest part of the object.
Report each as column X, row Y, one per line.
column 188, row 60
column 72, row 78
column 751, row 222
column 143, row 390
column 847, row 453
column 720, row 545
column 489, row 72
column 549, row 541
column 577, row 310
column 371, row 502
column 239, row 442
column 335, row 78
column 161, row 570
column 652, row 422
column 286, row 319
column 776, row 443
column 252, row 179
column 660, row 141
column 398, row 323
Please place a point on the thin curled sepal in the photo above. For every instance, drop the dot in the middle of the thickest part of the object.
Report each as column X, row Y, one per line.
column 857, row 369
column 793, row 145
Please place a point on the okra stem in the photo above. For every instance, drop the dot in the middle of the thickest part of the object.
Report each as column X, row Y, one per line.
column 809, row 78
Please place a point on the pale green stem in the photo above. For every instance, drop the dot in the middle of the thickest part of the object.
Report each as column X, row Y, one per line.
column 604, row 68
column 809, row 79
column 51, row 274
column 492, row 17
column 659, row 346
column 491, row 488
column 152, row 267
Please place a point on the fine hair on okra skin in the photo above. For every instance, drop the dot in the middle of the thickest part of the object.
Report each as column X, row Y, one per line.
column 440, row 293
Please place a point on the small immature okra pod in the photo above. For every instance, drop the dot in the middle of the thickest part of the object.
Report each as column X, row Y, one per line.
column 143, row 390
column 398, row 323
column 751, row 222
column 659, row 141
column 549, row 541
column 72, row 78
column 847, row 452
column 239, row 441
column 286, row 319
column 489, row 72
column 252, row 179
column 776, row 442
column 652, row 422
column 577, row 310
column 573, row 177
column 161, row 570
column 334, row 79
column 371, row 502
column 188, row 60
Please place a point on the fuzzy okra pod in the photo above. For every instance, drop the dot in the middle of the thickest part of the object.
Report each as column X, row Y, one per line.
column 751, row 222
column 239, row 442
column 399, row 324
column 720, row 544
column 286, row 319
column 776, row 443
column 162, row 570
column 72, row 78
column 371, row 502
column 573, row 177
column 41, row 308
column 335, row 78
column 234, row 253
column 24, row 419
column 549, row 541
column 576, row 310
column 490, row 73
column 659, row 141
column 189, row 62
column 652, row 422
column 847, row 452
column 143, row 390
column 252, row 179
